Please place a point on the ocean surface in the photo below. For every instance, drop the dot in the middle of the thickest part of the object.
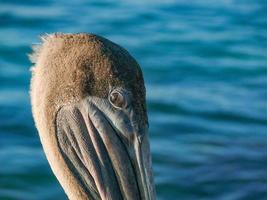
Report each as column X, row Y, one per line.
column 205, row 69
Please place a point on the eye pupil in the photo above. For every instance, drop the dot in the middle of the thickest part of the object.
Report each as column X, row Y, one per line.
column 114, row 97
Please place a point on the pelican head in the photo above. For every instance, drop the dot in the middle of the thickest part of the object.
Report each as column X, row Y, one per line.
column 88, row 103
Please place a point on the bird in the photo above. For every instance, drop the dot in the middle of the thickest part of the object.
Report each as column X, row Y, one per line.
column 88, row 102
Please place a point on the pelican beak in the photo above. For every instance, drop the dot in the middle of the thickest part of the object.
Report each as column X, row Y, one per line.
column 106, row 150
column 142, row 164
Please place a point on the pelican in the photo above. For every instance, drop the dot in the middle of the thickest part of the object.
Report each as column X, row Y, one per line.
column 89, row 107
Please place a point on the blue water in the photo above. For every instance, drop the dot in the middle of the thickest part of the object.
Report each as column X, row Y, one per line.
column 205, row 68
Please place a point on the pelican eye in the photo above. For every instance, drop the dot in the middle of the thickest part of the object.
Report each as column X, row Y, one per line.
column 118, row 99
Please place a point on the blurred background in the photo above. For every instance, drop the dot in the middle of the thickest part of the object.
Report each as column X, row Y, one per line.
column 205, row 68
